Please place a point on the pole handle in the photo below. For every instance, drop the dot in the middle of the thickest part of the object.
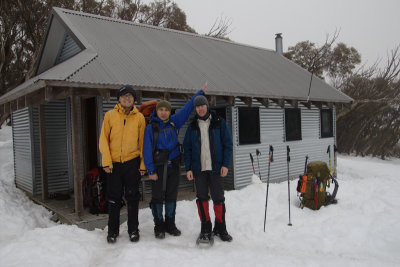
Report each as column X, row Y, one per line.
column 305, row 165
column 271, row 153
column 288, row 153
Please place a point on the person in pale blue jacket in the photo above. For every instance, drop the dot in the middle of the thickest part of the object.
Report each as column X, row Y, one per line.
column 161, row 152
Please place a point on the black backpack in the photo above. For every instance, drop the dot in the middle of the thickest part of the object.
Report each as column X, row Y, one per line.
column 94, row 187
column 160, row 156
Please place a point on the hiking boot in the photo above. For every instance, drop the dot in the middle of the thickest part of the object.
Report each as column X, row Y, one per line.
column 112, row 238
column 134, row 236
column 220, row 231
column 171, row 227
column 159, row 229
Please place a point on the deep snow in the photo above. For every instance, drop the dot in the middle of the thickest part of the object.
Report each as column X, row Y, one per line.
column 361, row 230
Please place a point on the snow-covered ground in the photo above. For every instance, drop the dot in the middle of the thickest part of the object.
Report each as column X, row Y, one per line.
column 363, row 229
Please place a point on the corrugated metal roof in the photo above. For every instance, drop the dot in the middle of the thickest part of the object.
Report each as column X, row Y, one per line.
column 154, row 57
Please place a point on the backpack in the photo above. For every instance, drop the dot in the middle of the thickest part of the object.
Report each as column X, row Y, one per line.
column 160, row 157
column 94, row 191
column 147, row 108
column 311, row 187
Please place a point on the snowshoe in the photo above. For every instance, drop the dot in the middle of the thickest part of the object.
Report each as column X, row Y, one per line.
column 205, row 239
column 220, row 231
column 224, row 236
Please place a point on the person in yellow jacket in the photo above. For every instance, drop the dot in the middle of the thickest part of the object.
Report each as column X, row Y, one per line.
column 121, row 146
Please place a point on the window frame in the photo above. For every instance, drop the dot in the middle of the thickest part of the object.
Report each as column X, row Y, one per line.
column 290, row 136
column 221, row 111
column 324, row 134
column 246, row 135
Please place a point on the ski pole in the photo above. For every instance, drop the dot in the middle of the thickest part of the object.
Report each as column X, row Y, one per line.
column 270, row 159
column 288, row 180
column 329, row 152
column 258, row 153
column 305, row 165
column 335, row 160
column 252, row 163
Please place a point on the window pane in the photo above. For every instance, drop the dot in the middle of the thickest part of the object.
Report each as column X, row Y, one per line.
column 221, row 112
column 249, row 126
column 326, row 123
column 293, row 124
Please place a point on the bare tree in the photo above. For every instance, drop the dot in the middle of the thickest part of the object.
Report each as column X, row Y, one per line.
column 312, row 58
column 372, row 125
column 23, row 24
column 221, row 28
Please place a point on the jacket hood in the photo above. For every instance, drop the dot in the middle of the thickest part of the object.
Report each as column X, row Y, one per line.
column 157, row 119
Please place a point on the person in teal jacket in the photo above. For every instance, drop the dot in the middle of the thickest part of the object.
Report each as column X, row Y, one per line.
column 165, row 174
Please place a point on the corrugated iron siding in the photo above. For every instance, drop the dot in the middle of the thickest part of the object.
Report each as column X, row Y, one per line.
column 68, row 49
column 272, row 129
column 58, row 168
column 57, row 152
column 21, row 132
column 229, row 179
column 36, row 178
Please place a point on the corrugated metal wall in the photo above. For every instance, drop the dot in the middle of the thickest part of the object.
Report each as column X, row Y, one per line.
column 272, row 129
column 58, row 164
column 57, row 150
column 36, row 151
column 27, row 153
column 69, row 48
column 22, row 148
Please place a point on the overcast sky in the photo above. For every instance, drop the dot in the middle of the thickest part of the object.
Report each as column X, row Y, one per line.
column 370, row 26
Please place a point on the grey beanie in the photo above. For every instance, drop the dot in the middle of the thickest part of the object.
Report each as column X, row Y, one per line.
column 200, row 100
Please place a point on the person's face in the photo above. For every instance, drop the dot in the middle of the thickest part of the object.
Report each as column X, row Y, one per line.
column 163, row 113
column 126, row 100
column 201, row 110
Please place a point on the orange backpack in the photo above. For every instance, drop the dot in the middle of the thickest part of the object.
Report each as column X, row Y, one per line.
column 147, row 108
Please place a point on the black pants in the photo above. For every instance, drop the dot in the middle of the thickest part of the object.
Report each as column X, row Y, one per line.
column 124, row 178
column 205, row 180
column 171, row 192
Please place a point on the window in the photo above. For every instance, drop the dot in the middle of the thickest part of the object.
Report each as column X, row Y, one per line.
column 221, row 112
column 293, row 124
column 326, row 123
column 249, row 126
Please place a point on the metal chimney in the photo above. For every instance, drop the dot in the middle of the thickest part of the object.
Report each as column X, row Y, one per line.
column 278, row 43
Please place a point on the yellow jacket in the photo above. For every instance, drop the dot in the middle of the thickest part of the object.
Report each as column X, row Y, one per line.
column 121, row 137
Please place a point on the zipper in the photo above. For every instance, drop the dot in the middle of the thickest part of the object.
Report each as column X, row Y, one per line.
column 123, row 129
column 212, row 148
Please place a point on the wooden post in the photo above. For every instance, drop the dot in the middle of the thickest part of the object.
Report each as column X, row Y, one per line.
column 76, row 155
column 139, row 97
column 43, row 152
column 85, row 146
column 213, row 101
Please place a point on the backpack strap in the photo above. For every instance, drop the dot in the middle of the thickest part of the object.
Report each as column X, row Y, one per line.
column 156, row 131
column 177, row 135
